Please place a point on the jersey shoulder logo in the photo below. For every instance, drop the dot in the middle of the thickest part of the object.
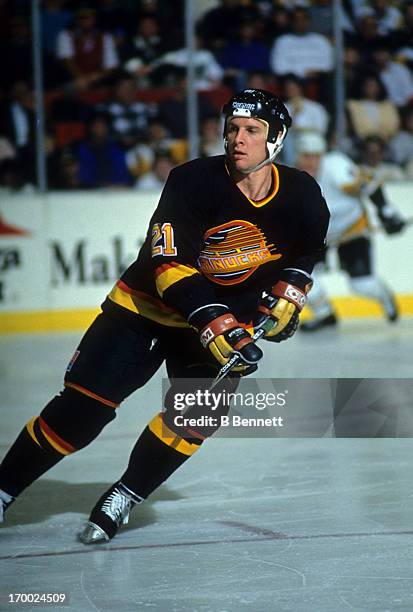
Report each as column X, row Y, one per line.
column 233, row 251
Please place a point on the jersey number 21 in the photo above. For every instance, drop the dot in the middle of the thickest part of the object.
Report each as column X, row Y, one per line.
column 163, row 240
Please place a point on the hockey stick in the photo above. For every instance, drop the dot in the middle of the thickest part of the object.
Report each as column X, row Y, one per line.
column 268, row 323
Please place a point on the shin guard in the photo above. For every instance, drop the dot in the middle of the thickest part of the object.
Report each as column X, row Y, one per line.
column 68, row 423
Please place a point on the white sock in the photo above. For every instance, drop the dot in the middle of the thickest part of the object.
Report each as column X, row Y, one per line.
column 318, row 298
column 319, row 302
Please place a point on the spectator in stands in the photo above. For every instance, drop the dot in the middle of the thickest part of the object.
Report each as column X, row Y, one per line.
column 371, row 113
column 352, row 69
column 115, row 17
column 245, row 53
column 17, row 125
column 373, row 162
column 365, row 36
column 388, row 17
column 102, row 163
column 129, row 117
column 261, row 80
column 321, row 13
column 156, row 178
column 140, row 159
column 66, row 172
column 16, row 52
column 403, row 38
column 396, row 78
column 276, row 24
column 306, row 114
column 211, row 142
column 88, row 55
column 348, row 16
column 304, row 53
column 54, row 18
column 220, row 24
column 169, row 14
column 400, row 147
column 142, row 48
column 208, row 73
column 172, row 111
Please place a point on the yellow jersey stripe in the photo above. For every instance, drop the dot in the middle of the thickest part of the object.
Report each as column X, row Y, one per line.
column 357, row 228
column 171, row 274
column 146, row 306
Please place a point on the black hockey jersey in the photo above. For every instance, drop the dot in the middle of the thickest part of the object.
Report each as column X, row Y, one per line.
column 208, row 243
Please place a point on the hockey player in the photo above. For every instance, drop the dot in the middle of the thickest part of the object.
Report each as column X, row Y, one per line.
column 343, row 186
column 232, row 242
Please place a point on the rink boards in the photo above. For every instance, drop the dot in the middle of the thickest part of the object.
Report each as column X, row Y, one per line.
column 60, row 254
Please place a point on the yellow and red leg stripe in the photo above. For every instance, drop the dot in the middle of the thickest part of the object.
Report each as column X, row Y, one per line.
column 46, row 438
column 170, row 438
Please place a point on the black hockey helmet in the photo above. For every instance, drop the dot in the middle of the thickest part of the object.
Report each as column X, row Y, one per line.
column 267, row 107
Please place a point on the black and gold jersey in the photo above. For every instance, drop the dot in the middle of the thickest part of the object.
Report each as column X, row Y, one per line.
column 207, row 243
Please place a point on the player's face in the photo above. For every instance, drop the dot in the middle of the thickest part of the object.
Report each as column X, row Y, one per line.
column 310, row 162
column 247, row 142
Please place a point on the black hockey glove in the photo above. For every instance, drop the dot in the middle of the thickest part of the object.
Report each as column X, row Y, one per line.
column 284, row 304
column 221, row 333
column 391, row 221
column 392, row 224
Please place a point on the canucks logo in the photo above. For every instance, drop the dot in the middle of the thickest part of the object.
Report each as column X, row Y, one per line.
column 233, row 251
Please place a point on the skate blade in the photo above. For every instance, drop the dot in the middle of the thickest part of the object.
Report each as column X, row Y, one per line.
column 93, row 534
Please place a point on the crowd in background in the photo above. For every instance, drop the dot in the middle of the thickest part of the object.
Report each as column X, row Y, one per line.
column 115, row 83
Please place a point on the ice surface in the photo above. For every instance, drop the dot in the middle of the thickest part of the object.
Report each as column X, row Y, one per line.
column 289, row 525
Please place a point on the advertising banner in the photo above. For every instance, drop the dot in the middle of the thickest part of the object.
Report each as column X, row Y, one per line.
column 64, row 251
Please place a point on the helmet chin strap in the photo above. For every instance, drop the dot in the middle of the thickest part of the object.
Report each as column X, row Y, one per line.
column 273, row 150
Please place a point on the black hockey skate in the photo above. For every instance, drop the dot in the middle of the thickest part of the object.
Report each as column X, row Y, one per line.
column 317, row 324
column 390, row 307
column 110, row 512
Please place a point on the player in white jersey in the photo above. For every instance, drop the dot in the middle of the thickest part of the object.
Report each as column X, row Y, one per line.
column 343, row 186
